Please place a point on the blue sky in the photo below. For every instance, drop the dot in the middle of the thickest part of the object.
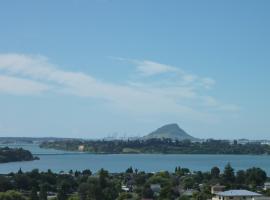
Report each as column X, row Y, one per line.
column 99, row 68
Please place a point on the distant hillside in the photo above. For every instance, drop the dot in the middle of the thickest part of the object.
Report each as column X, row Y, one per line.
column 172, row 131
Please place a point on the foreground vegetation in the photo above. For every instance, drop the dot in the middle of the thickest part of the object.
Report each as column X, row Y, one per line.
column 13, row 155
column 165, row 146
column 84, row 185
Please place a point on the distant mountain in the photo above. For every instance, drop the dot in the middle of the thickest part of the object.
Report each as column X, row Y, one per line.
column 172, row 131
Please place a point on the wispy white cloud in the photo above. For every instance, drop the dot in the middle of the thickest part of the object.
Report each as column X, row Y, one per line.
column 26, row 74
column 147, row 68
column 18, row 86
column 212, row 102
column 150, row 68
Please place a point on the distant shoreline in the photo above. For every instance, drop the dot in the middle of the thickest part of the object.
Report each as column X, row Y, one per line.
column 158, row 146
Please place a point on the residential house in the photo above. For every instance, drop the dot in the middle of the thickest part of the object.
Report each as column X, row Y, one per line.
column 189, row 192
column 236, row 195
column 217, row 188
column 266, row 186
column 156, row 188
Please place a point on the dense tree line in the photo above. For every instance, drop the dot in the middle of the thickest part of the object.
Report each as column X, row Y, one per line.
column 11, row 155
column 160, row 146
column 83, row 185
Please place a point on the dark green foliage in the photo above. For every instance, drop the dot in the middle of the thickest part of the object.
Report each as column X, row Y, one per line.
column 23, row 182
column 105, row 185
column 61, row 195
column 124, row 196
column 188, row 182
column 201, row 196
column 267, row 193
column 181, row 171
column 255, row 176
column 160, row 146
column 11, row 195
column 64, row 189
column 228, row 176
column 184, row 198
column 43, row 192
column 12, row 155
column 167, row 192
column 215, row 172
column 87, row 172
column 83, row 190
column 240, row 177
column 129, row 170
column 198, row 177
column 33, row 194
column 5, row 184
column 147, row 192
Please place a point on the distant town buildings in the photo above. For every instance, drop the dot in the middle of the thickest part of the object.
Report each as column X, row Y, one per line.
column 81, row 147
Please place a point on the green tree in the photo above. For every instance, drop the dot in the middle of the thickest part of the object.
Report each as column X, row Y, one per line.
column 64, row 188
column 215, row 172
column 228, row 175
column 267, row 193
column 147, row 192
column 256, row 176
column 83, row 190
column 166, row 192
column 61, row 195
column 129, row 170
column 240, row 177
column 74, row 197
column 103, row 175
column 188, row 182
column 87, row 172
column 33, row 194
column 43, row 192
column 11, row 195
column 183, row 197
column 23, row 181
column 124, row 196
column 5, row 184
column 201, row 196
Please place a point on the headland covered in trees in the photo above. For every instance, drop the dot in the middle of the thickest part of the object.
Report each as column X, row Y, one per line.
column 15, row 154
column 162, row 146
column 168, row 139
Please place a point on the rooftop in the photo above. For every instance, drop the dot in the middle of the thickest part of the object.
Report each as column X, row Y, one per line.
column 230, row 193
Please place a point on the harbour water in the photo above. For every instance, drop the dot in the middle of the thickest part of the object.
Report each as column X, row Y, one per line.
column 64, row 161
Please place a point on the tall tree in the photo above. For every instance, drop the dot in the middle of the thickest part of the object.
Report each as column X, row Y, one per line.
column 43, row 192
column 256, row 176
column 228, row 175
column 240, row 177
column 33, row 194
column 215, row 172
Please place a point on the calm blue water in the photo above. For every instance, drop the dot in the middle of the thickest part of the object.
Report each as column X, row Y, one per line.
column 52, row 159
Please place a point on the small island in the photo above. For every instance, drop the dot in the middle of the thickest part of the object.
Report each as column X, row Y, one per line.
column 15, row 154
